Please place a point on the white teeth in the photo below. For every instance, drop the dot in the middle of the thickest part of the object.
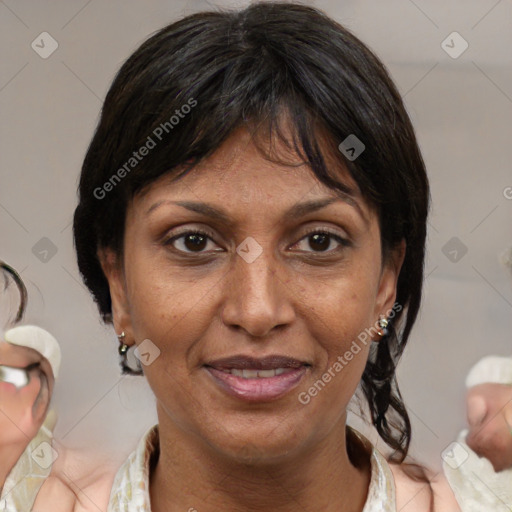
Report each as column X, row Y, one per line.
column 267, row 373
column 250, row 374
column 257, row 374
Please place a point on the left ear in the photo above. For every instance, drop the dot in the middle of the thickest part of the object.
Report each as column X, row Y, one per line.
column 391, row 267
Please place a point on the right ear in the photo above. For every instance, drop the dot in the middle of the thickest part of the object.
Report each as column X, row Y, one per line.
column 113, row 269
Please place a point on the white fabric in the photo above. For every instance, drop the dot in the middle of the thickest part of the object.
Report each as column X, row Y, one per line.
column 477, row 487
column 42, row 341
column 490, row 369
column 473, row 480
column 130, row 491
column 27, row 476
column 381, row 494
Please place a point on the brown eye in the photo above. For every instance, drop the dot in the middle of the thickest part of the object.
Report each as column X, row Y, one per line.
column 195, row 241
column 321, row 240
column 190, row 241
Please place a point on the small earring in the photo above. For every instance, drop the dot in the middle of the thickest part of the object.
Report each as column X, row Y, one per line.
column 123, row 347
column 383, row 324
column 123, row 352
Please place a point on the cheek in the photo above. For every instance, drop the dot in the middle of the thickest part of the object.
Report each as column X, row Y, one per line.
column 162, row 295
column 346, row 341
column 172, row 311
column 339, row 316
column 338, row 306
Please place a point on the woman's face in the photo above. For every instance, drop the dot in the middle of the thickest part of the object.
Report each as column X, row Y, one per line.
column 23, row 408
column 257, row 291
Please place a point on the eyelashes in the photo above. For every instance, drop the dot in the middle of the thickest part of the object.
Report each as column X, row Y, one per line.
column 202, row 235
column 197, row 233
column 344, row 242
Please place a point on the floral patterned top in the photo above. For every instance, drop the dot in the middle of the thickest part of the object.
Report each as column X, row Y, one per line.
column 28, row 474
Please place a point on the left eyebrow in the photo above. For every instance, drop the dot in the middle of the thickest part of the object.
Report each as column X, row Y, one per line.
column 296, row 211
column 303, row 209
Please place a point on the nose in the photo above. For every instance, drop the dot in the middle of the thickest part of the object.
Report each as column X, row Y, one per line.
column 257, row 297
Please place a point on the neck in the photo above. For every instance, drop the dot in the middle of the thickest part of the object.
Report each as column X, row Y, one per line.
column 189, row 475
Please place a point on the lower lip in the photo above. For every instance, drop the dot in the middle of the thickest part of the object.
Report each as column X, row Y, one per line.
column 259, row 389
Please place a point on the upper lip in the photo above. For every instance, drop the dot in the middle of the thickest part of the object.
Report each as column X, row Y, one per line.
column 242, row 362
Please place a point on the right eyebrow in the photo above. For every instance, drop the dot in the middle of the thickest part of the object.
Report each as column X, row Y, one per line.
column 205, row 209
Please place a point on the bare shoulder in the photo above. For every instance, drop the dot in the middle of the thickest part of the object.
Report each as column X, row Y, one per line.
column 80, row 482
column 444, row 498
column 429, row 494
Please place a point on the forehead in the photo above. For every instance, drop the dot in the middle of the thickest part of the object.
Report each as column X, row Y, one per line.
column 244, row 169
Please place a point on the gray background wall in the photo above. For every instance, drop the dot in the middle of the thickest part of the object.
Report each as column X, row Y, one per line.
column 462, row 111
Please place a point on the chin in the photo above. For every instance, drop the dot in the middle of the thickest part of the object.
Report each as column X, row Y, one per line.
column 265, row 442
column 254, row 453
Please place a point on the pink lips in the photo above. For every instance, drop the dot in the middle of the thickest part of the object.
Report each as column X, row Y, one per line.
column 262, row 388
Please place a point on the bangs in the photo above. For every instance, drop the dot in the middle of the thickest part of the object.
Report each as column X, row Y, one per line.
column 221, row 72
column 287, row 135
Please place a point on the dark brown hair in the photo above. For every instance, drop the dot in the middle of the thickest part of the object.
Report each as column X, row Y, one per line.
column 8, row 277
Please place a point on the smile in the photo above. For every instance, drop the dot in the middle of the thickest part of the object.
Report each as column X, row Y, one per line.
column 257, row 380
column 257, row 374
